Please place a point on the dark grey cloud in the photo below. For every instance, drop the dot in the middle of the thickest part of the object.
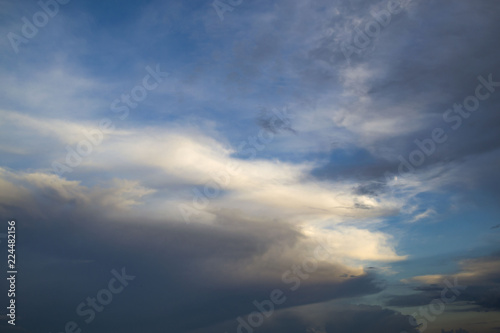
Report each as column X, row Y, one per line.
column 275, row 121
column 422, row 298
column 424, row 62
column 486, row 298
column 366, row 319
column 372, row 188
column 187, row 276
column 480, row 286
column 350, row 318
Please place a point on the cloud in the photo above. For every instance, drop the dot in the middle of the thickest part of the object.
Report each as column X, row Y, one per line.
column 426, row 214
column 479, row 279
column 321, row 179
column 71, row 228
column 321, row 318
column 189, row 156
column 369, row 319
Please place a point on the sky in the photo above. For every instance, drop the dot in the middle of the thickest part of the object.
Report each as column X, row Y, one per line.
column 247, row 166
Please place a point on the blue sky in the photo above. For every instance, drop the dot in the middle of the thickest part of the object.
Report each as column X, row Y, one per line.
column 210, row 147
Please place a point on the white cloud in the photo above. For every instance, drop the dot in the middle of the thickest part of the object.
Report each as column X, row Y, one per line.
column 427, row 213
column 167, row 164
